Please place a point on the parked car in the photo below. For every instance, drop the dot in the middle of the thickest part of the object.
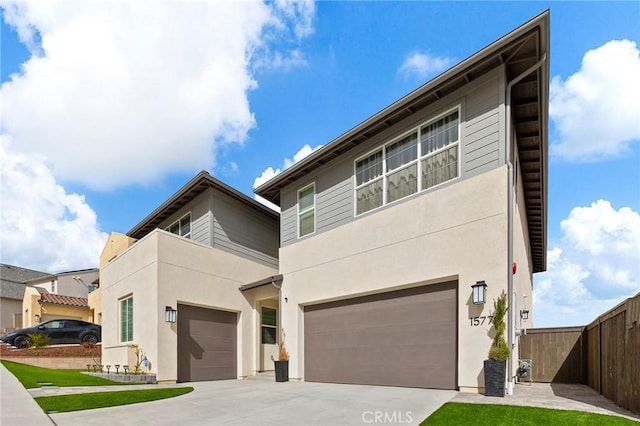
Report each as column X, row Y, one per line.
column 59, row 331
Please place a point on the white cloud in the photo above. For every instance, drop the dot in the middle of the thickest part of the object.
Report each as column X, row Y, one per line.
column 271, row 172
column 126, row 92
column 594, row 266
column 41, row 225
column 596, row 110
column 424, row 65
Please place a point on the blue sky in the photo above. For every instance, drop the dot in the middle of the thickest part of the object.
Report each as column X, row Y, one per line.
column 106, row 113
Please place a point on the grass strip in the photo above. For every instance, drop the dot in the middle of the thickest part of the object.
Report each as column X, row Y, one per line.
column 456, row 413
column 89, row 401
column 32, row 377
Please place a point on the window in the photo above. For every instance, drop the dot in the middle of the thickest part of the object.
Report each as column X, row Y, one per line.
column 269, row 326
column 181, row 227
column 53, row 286
column 401, row 168
column 439, row 146
column 126, row 319
column 369, row 182
column 425, row 157
column 53, row 325
column 306, row 210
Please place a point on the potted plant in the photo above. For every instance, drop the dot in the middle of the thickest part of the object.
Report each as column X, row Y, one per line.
column 495, row 366
column 282, row 363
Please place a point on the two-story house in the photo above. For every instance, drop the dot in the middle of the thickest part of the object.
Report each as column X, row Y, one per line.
column 369, row 268
column 385, row 229
column 188, row 259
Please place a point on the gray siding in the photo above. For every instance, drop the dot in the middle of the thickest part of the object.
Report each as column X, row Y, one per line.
column 481, row 129
column 200, row 218
column 244, row 231
column 481, row 108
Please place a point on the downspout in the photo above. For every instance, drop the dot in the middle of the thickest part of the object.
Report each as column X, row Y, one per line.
column 279, row 287
column 508, row 155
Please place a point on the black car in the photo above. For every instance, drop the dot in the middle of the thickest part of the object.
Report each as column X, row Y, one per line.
column 59, row 331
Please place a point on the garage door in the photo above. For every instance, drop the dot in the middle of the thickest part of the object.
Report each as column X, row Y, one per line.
column 206, row 344
column 401, row 338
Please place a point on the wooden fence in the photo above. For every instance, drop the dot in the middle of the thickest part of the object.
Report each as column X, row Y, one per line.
column 605, row 355
column 557, row 354
column 613, row 355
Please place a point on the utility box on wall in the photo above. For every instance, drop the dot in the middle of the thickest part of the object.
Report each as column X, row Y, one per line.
column 524, row 370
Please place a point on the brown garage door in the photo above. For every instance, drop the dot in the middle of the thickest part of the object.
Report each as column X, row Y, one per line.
column 401, row 338
column 206, row 344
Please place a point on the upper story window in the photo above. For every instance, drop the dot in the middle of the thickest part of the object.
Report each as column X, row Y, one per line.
column 306, row 210
column 181, row 226
column 425, row 157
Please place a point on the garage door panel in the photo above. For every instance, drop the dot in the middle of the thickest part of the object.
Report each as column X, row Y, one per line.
column 207, row 344
column 401, row 338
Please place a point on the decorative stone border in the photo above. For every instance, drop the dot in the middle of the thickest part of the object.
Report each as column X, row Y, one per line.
column 126, row 378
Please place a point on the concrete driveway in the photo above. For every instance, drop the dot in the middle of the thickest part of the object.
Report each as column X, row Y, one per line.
column 260, row 401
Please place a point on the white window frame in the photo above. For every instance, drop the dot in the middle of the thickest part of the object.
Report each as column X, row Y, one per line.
column 419, row 159
column 307, row 210
column 129, row 320
column 178, row 222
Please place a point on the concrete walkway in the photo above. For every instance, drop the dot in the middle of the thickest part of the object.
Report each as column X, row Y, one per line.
column 17, row 407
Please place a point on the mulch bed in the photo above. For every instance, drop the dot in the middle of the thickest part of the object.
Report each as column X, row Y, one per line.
column 66, row 351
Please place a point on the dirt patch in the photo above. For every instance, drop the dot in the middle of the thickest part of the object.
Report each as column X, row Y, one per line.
column 57, row 351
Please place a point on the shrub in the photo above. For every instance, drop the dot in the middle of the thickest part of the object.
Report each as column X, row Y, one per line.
column 499, row 350
column 38, row 340
column 283, row 355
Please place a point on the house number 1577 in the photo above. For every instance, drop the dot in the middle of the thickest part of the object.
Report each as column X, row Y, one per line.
column 477, row 321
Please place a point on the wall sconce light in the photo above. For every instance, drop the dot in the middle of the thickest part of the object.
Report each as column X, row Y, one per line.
column 36, row 317
column 479, row 293
column 524, row 314
column 170, row 314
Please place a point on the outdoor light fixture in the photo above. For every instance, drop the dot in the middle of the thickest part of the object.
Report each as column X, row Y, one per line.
column 37, row 317
column 479, row 293
column 524, row 314
column 170, row 314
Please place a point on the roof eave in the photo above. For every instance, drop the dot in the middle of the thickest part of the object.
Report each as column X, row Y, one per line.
column 540, row 20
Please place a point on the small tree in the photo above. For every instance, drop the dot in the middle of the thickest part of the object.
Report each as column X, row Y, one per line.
column 499, row 349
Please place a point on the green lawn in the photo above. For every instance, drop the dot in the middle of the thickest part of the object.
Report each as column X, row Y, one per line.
column 88, row 401
column 31, row 376
column 454, row 413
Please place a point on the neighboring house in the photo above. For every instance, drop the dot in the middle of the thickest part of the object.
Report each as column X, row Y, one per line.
column 12, row 287
column 58, row 296
column 116, row 244
column 192, row 254
column 369, row 268
column 385, row 229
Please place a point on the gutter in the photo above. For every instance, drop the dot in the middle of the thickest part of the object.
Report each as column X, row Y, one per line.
column 510, row 213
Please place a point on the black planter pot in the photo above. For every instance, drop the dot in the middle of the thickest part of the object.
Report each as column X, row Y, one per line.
column 282, row 371
column 494, row 373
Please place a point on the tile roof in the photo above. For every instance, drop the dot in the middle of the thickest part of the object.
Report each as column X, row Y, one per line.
column 58, row 299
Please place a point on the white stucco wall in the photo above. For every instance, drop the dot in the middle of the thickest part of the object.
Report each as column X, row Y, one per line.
column 458, row 232
column 162, row 270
